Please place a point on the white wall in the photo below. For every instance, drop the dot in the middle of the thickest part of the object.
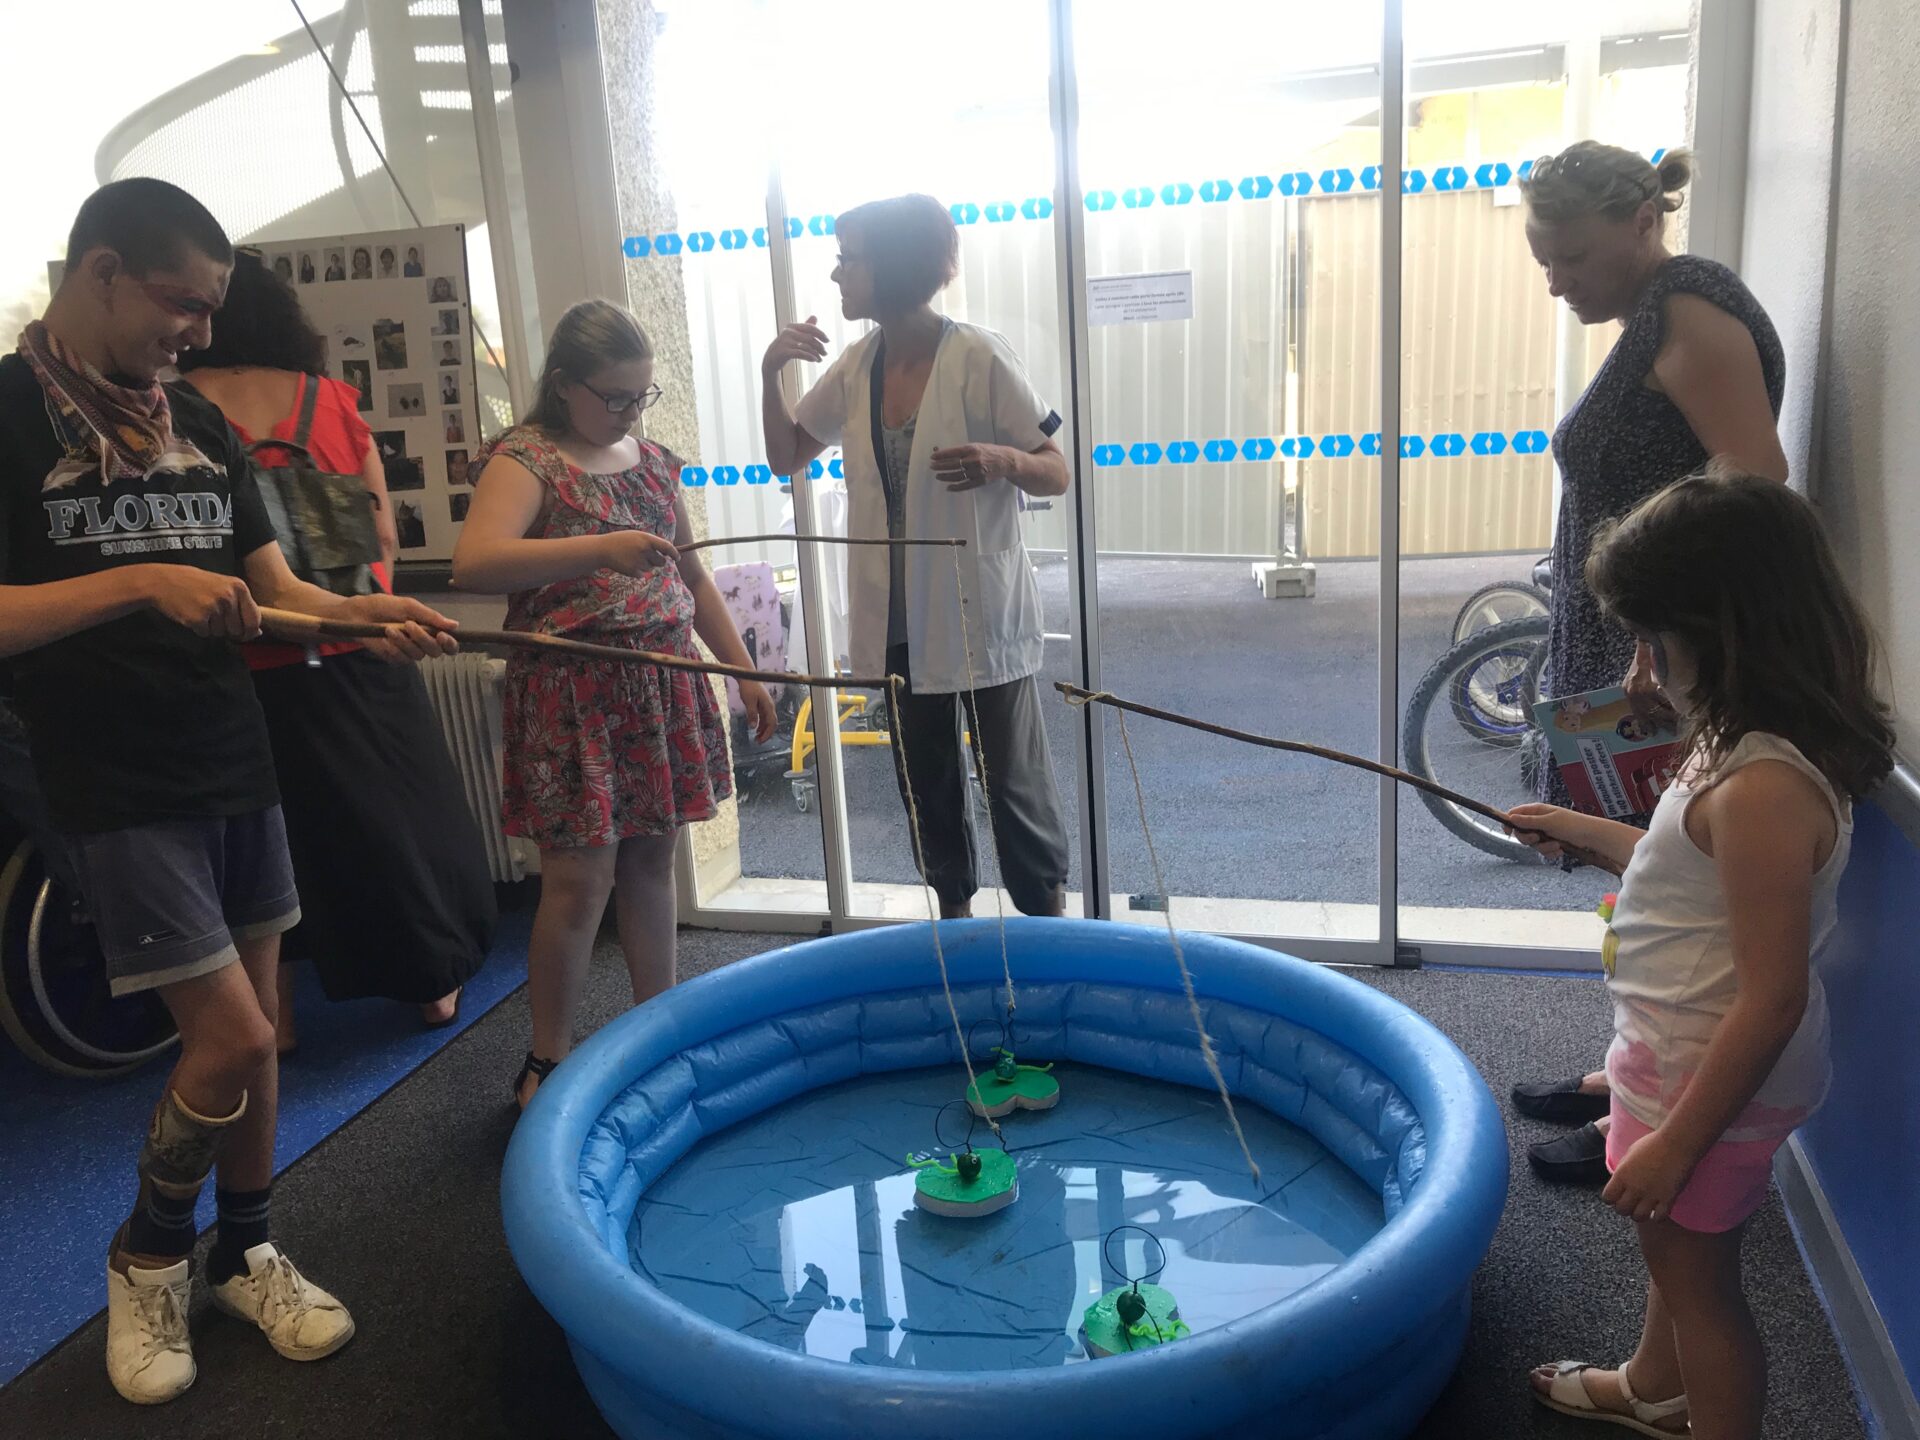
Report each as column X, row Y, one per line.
column 1796, row 72
column 1867, row 438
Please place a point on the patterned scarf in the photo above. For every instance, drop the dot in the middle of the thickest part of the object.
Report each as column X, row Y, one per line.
column 130, row 430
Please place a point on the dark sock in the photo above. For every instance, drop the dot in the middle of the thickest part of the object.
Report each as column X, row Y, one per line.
column 162, row 1224
column 244, row 1223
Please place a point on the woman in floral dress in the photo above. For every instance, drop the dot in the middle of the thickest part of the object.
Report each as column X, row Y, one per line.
column 605, row 760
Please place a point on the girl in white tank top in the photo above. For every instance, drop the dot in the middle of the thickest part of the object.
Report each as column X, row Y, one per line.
column 1720, row 1021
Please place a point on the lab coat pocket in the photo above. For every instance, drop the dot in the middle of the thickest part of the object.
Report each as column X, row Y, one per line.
column 1008, row 629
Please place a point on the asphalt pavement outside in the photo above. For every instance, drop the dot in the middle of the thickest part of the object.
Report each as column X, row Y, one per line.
column 1228, row 820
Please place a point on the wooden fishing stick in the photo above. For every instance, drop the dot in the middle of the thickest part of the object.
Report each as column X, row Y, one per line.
column 807, row 539
column 1077, row 696
column 308, row 629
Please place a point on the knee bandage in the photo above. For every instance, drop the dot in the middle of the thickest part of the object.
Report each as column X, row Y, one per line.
column 182, row 1145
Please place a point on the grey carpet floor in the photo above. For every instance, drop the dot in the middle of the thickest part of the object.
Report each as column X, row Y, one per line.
column 398, row 1213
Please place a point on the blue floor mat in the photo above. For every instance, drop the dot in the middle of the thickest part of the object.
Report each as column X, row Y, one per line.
column 66, row 1164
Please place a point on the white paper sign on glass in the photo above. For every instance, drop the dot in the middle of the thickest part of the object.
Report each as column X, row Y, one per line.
column 1132, row 299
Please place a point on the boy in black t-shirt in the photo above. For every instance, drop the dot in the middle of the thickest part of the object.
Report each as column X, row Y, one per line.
column 134, row 551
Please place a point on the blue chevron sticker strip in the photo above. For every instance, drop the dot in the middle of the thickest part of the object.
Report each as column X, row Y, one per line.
column 1331, row 181
column 1449, row 445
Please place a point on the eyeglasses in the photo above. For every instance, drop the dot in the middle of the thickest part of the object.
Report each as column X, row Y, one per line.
column 620, row 401
column 177, row 300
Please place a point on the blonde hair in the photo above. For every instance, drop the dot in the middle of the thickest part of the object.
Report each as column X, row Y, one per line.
column 1588, row 178
column 591, row 336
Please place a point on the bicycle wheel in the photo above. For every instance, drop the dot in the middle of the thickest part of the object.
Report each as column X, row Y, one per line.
column 54, row 1000
column 1468, row 724
column 1496, row 603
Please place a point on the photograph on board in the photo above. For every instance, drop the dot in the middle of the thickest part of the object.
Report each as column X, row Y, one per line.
column 456, row 428
column 283, row 267
column 448, row 354
column 406, row 400
column 306, row 267
column 450, row 387
column 413, row 269
column 457, row 462
column 443, row 293
column 390, row 344
column 447, row 323
column 389, row 266
column 362, row 263
column 404, row 471
column 336, row 264
column 359, row 374
column 457, row 505
column 412, row 526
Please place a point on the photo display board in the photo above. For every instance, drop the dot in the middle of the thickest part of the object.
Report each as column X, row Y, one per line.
column 394, row 308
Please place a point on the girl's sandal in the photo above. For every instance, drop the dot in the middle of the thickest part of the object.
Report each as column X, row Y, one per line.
column 536, row 1068
column 1568, row 1394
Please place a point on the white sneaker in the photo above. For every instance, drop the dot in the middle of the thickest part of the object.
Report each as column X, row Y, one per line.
column 149, row 1355
column 299, row 1319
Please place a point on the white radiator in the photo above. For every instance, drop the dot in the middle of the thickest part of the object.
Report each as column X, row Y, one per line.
column 465, row 690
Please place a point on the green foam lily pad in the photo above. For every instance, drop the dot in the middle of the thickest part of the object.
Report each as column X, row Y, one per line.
column 1029, row 1089
column 946, row 1193
column 1104, row 1333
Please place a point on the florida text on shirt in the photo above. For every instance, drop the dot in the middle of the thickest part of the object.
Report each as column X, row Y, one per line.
column 134, row 522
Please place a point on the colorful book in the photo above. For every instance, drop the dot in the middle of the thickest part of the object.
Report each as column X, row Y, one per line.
column 1613, row 762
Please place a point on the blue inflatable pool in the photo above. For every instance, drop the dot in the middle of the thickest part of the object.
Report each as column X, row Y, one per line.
column 1357, row 1353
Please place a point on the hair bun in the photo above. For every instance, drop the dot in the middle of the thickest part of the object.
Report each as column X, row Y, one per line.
column 1676, row 172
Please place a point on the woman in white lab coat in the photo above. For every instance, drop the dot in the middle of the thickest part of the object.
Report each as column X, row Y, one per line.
column 942, row 433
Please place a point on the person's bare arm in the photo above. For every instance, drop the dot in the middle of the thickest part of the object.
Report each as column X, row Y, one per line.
column 206, row 603
column 414, row 632
column 496, row 557
column 1041, row 472
column 1709, row 367
column 1649, row 702
column 789, row 447
column 1552, row 829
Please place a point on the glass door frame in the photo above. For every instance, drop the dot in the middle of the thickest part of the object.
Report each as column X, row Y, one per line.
column 1722, row 149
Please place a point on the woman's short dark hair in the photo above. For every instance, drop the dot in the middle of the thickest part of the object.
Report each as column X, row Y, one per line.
column 1739, row 567
column 911, row 243
column 261, row 325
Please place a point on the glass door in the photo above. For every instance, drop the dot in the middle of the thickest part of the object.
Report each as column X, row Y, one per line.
column 1276, row 524
column 1230, row 165
column 698, row 278
column 1489, row 363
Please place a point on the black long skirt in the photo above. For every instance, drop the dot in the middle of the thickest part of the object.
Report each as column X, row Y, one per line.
column 396, row 898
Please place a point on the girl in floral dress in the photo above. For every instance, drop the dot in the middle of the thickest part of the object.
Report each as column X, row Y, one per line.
column 605, row 760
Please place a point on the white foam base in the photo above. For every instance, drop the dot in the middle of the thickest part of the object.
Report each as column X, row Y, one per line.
column 1016, row 1102
column 967, row 1209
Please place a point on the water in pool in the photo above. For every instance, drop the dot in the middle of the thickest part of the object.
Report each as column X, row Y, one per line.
column 798, row 1226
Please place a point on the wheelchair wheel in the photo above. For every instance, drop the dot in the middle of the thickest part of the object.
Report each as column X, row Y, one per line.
column 54, row 1000
column 1470, row 727
column 1494, row 604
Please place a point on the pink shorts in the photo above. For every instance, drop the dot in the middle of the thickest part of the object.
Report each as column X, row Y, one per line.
column 1726, row 1187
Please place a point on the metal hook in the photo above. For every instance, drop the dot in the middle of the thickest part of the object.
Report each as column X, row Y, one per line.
column 972, row 1120
column 1134, row 1281
column 1006, row 1033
